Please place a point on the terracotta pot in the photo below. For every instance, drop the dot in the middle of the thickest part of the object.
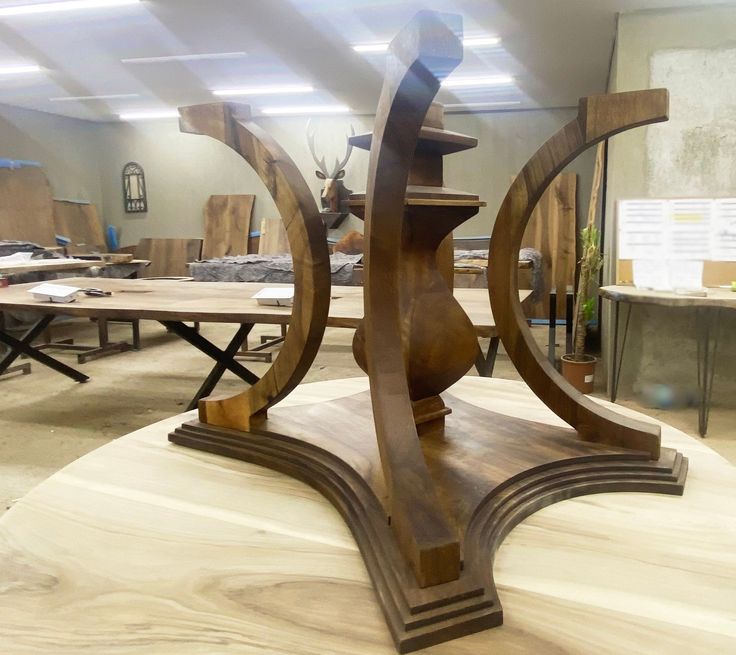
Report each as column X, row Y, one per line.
column 579, row 374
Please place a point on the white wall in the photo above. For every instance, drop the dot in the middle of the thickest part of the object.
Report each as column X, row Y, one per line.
column 692, row 155
column 66, row 147
column 183, row 170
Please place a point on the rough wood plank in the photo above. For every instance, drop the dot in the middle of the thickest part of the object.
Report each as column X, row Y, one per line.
column 227, row 225
column 168, row 257
column 79, row 222
column 273, row 239
column 551, row 231
column 26, row 206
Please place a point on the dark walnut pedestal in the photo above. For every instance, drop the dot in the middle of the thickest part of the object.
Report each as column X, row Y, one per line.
column 491, row 471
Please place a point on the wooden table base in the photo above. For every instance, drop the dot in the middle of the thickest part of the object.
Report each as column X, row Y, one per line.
column 491, row 471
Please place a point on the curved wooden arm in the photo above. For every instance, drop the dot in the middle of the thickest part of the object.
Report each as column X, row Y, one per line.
column 305, row 230
column 420, row 56
column 599, row 117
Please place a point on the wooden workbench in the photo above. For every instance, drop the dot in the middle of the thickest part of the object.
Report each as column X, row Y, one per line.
column 146, row 547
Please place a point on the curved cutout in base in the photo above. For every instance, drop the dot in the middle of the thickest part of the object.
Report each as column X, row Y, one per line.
column 491, row 472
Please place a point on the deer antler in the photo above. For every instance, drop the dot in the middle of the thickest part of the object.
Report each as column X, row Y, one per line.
column 311, row 134
column 339, row 165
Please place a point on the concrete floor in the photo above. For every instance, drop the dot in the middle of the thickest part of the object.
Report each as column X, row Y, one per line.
column 47, row 420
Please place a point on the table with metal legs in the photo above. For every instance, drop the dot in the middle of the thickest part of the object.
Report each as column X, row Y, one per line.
column 708, row 312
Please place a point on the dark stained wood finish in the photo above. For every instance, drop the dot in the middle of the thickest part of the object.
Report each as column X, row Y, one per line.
column 599, row 117
column 232, row 124
column 227, row 225
column 489, row 472
column 410, row 356
column 168, row 257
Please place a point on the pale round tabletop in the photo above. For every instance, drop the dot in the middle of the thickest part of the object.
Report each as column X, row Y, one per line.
column 146, row 547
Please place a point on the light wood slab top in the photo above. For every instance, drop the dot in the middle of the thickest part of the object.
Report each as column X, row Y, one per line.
column 47, row 266
column 716, row 297
column 217, row 302
column 145, row 547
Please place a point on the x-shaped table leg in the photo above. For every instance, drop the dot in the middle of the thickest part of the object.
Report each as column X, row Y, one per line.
column 23, row 346
column 224, row 358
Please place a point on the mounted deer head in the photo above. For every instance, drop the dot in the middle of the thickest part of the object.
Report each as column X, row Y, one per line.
column 334, row 193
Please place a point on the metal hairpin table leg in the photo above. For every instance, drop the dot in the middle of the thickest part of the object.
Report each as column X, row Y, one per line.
column 707, row 327
column 23, row 347
column 224, row 358
column 617, row 358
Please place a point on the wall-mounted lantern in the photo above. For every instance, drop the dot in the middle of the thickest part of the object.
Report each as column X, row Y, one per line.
column 134, row 188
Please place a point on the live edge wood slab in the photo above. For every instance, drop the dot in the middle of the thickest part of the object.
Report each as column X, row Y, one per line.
column 143, row 547
column 428, row 484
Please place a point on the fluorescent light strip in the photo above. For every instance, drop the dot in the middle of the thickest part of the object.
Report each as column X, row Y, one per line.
column 19, row 70
column 117, row 96
column 149, row 115
column 69, row 5
column 470, row 42
column 482, row 80
column 265, row 90
column 314, row 109
column 480, row 41
column 199, row 57
column 483, row 105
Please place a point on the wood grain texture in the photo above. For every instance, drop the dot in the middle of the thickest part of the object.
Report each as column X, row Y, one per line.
column 215, row 302
column 599, row 117
column 80, row 222
column 273, row 239
column 306, row 232
column 551, row 231
column 419, row 57
column 168, row 257
column 227, row 225
column 724, row 298
column 26, row 206
column 142, row 546
column 47, row 266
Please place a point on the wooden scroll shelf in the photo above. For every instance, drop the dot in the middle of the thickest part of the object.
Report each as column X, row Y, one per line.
column 428, row 489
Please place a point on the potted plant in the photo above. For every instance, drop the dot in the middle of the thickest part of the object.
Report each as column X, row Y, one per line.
column 577, row 367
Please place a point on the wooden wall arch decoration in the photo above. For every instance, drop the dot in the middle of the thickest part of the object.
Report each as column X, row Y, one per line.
column 232, row 124
column 599, row 117
column 429, row 496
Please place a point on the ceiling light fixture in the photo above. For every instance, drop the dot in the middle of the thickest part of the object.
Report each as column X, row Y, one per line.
column 469, row 42
column 482, row 105
column 265, row 90
column 370, row 47
column 115, row 96
column 481, row 80
column 196, row 57
column 480, row 41
column 149, row 115
column 19, row 70
column 68, row 5
column 306, row 110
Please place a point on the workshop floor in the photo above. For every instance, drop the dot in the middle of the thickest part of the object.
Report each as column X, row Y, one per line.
column 47, row 421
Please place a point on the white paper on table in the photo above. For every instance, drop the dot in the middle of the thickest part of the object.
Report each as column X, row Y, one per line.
column 276, row 296
column 54, row 292
column 651, row 274
column 686, row 275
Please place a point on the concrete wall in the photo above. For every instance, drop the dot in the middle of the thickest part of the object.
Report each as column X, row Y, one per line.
column 66, row 147
column 693, row 53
